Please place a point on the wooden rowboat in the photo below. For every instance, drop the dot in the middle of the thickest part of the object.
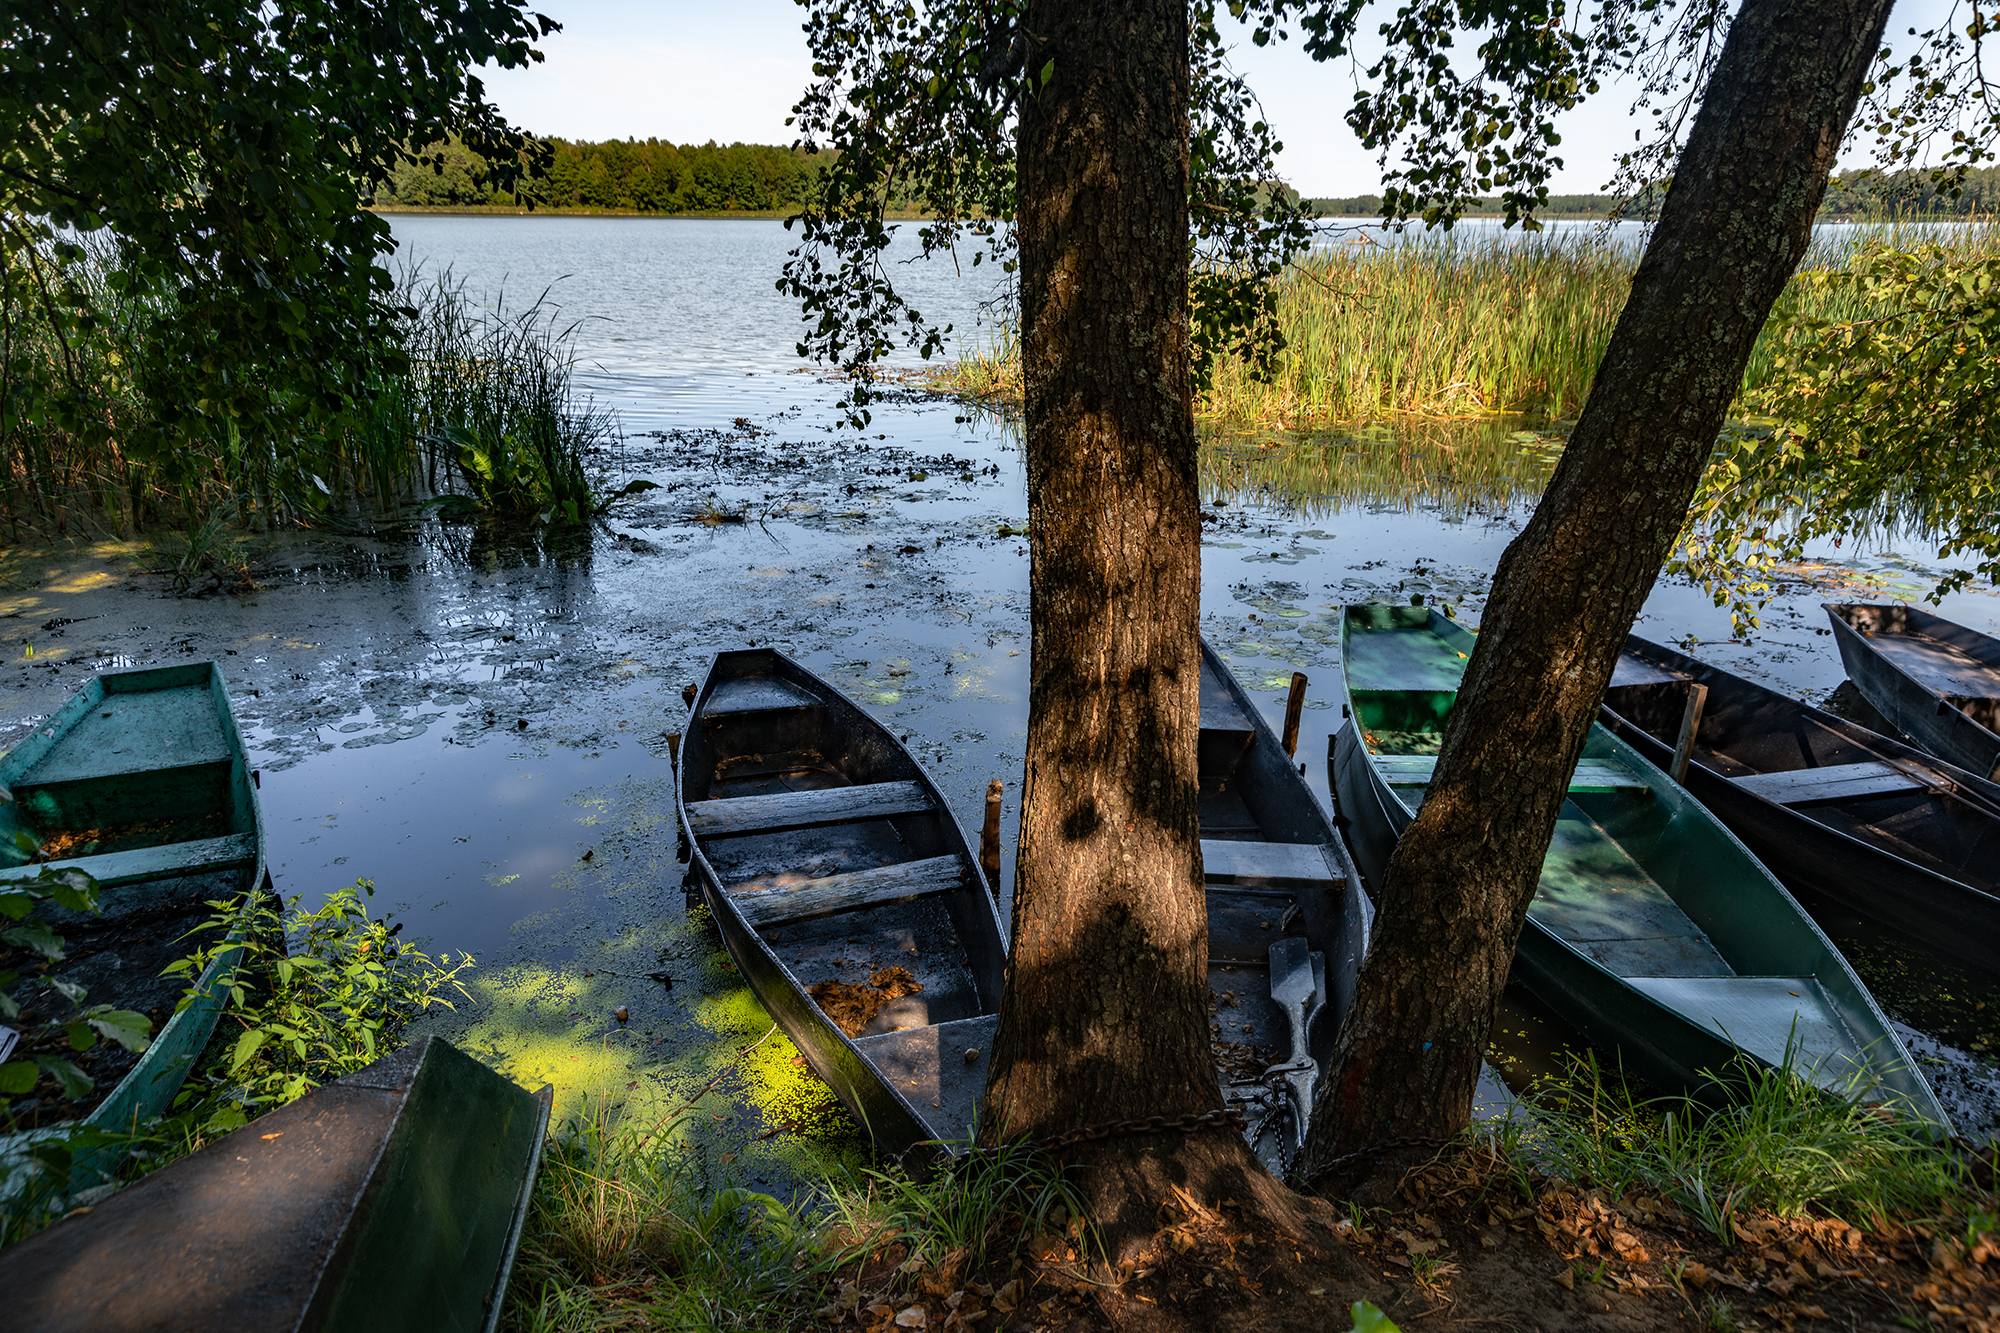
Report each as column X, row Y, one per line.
column 391, row 1201
column 1654, row 931
column 142, row 782
column 1934, row 681
column 1287, row 919
column 846, row 894
column 1827, row 805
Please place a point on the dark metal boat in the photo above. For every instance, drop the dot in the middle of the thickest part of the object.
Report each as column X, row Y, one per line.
column 390, row 1201
column 141, row 781
column 846, row 894
column 1287, row 919
column 1654, row 932
column 1936, row 682
column 1827, row 805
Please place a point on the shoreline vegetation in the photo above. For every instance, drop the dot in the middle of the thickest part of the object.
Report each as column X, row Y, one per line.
column 1446, row 325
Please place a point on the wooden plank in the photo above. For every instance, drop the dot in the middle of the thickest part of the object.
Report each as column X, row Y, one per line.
column 756, row 694
column 764, row 909
column 1277, row 864
column 1834, row 782
column 176, row 858
column 1632, row 670
column 806, row 809
column 1592, row 775
column 1697, row 700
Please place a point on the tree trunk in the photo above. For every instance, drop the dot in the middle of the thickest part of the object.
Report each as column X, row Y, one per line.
column 1105, row 1013
column 1735, row 224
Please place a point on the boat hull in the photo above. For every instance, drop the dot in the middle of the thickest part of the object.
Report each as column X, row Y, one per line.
column 1743, row 970
column 392, row 1199
column 1809, row 854
column 917, row 1094
column 1952, row 718
column 162, row 745
column 1255, row 802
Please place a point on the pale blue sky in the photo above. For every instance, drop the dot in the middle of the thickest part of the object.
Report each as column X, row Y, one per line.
column 690, row 72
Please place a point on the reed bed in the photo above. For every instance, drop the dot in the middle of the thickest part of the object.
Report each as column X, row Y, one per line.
column 1449, row 325
column 485, row 419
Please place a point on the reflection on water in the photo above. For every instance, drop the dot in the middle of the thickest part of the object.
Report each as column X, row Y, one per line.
column 1450, row 467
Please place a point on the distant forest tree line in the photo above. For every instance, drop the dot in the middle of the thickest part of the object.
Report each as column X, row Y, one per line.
column 653, row 176
column 618, row 175
column 1852, row 194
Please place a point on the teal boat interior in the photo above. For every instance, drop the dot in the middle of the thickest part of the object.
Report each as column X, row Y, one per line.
column 1639, row 878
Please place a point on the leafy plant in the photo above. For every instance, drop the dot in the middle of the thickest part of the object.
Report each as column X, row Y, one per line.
column 337, row 1000
column 45, row 1050
column 1886, row 408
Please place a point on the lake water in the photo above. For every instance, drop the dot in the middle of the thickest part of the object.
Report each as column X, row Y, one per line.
column 476, row 719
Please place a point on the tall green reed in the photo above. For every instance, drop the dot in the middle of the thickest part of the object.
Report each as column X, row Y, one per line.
column 488, row 411
column 1447, row 324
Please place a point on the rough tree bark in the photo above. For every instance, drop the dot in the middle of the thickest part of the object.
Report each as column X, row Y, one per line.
column 1734, row 227
column 1105, row 1013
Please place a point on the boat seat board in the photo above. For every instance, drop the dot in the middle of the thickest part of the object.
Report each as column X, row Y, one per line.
column 931, row 1068
column 1401, row 659
column 1765, row 1015
column 175, row 859
column 135, row 733
column 1592, row 775
column 1275, row 864
column 767, row 908
column 806, row 809
column 1638, row 671
column 1937, row 665
column 1833, row 782
column 1219, row 711
column 756, row 694
column 1594, row 896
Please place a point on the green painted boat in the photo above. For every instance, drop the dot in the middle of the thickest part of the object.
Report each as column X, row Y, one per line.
column 141, row 781
column 1654, row 931
column 391, row 1201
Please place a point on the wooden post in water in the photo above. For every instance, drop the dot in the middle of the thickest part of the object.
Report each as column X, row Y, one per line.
column 1293, row 707
column 989, row 838
column 1690, row 724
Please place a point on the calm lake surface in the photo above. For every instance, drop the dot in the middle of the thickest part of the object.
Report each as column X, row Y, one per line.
column 475, row 719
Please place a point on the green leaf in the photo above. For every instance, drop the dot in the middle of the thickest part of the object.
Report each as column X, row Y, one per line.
column 130, row 1029
column 1048, row 72
column 19, row 1076
column 1368, row 1319
column 247, row 1046
column 75, row 1083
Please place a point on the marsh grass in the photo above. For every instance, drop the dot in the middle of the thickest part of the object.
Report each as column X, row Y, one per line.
column 1780, row 1144
column 1446, row 324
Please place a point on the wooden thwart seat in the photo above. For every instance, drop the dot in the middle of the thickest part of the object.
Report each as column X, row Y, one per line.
column 807, row 809
column 112, row 869
column 764, row 908
column 1834, row 782
column 1592, row 775
column 1272, row 864
column 756, row 694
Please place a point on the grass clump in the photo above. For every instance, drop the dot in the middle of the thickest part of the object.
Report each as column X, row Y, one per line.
column 629, row 1227
column 1779, row 1144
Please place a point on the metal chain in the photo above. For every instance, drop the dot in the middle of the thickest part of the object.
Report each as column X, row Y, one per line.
column 1191, row 1123
column 1386, row 1145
